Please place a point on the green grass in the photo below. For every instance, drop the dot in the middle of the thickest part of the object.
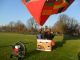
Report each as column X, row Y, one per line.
column 68, row 51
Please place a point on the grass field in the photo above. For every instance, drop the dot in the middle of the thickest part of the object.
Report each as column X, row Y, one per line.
column 68, row 51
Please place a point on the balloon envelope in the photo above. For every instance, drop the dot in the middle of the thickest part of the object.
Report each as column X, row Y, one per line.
column 42, row 9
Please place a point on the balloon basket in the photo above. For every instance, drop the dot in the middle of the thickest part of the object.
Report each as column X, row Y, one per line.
column 44, row 45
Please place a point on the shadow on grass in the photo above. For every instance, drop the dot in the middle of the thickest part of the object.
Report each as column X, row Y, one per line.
column 65, row 38
column 78, row 55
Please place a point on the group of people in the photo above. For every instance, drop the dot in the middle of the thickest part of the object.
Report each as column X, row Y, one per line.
column 45, row 34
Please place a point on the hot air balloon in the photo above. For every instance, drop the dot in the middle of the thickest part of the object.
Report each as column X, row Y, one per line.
column 42, row 9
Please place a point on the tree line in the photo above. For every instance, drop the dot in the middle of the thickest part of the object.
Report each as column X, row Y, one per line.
column 64, row 25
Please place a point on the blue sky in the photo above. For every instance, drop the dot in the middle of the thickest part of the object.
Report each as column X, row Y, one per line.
column 14, row 10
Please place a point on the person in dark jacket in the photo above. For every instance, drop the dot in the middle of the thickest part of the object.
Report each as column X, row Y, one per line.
column 48, row 34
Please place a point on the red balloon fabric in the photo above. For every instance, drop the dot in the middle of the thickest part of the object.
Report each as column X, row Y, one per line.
column 42, row 9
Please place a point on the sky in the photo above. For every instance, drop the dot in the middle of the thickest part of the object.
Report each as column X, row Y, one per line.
column 14, row 10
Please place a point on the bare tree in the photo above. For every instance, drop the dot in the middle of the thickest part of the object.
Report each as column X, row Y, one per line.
column 65, row 24
column 20, row 27
column 10, row 26
column 32, row 24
